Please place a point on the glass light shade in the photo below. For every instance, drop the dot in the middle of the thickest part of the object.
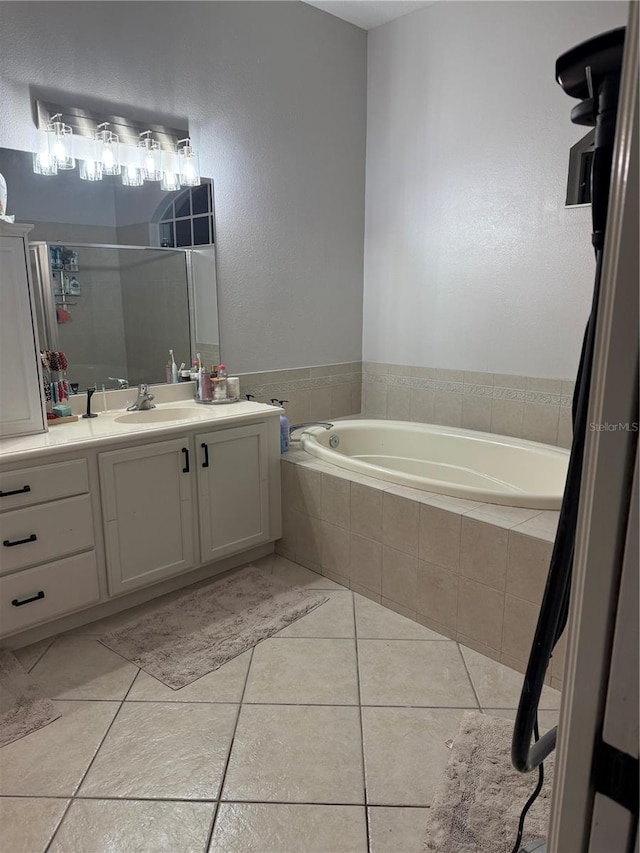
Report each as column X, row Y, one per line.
column 189, row 165
column 132, row 176
column 150, row 158
column 43, row 161
column 60, row 145
column 108, row 150
column 170, row 182
column 90, row 170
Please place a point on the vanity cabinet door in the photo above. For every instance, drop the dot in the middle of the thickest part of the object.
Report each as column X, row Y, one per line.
column 21, row 410
column 233, row 489
column 147, row 513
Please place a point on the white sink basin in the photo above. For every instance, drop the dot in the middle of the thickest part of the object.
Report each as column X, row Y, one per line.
column 155, row 416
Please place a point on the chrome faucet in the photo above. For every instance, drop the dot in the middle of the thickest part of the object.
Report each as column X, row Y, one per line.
column 144, row 400
column 122, row 383
column 313, row 423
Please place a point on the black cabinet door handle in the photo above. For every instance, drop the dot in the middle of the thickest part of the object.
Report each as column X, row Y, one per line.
column 8, row 544
column 17, row 603
column 15, row 492
column 205, row 447
column 185, row 450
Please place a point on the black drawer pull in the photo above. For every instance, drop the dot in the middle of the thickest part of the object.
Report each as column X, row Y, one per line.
column 205, row 447
column 15, row 492
column 185, row 470
column 38, row 597
column 8, row 544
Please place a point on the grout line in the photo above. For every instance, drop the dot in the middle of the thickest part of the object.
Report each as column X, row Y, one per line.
column 95, row 755
column 227, row 762
column 466, row 669
column 364, row 772
column 218, row 802
column 42, row 654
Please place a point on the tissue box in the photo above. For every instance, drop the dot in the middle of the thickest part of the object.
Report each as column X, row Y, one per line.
column 62, row 410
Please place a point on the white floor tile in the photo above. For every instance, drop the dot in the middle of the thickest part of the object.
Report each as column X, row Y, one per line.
column 498, row 686
column 333, row 619
column 397, row 830
column 27, row 824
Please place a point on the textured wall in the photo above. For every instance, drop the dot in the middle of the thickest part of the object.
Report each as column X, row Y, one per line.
column 472, row 262
column 275, row 95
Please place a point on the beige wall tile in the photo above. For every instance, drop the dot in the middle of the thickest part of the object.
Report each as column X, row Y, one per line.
column 439, row 537
column 437, row 594
column 374, row 367
column 309, row 491
column 568, row 387
column 506, row 417
column 422, row 406
column 528, row 566
column 520, row 619
column 309, row 542
column 473, row 377
column 366, row 511
column 289, row 481
column 542, row 526
column 366, row 563
column 298, row 407
column 320, row 404
column 336, row 499
column 335, row 576
column 544, row 386
column 476, row 412
column 435, row 626
column 506, row 380
column 565, row 428
column 356, row 398
column 448, row 409
column 366, row 593
column 341, row 404
column 477, row 646
column 444, row 374
column 400, row 609
column 374, row 402
column 399, row 402
column 423, row 372
column 286, row 546
column 480, row 613
column 399, row 577
column 483, row 553
column 513, row 663
column 400, row 520
column 540, row 422
column 336, row 550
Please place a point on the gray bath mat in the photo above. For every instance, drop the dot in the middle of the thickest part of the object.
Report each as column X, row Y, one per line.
column 477, row 806
column 23, row 709
column 201, row 630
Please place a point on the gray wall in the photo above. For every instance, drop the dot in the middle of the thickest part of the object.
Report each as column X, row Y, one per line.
column 275, row 95
column 472, row 261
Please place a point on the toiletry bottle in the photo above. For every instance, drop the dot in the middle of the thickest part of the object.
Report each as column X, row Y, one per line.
column 205, row 385
column 74, row 286
column 284, row 430
column 174, row 367
column 168, row 375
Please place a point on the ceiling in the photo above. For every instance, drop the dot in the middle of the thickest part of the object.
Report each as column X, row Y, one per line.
column 368, row 14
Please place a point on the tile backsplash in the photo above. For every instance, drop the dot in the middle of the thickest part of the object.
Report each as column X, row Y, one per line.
column 312, row 393
column 522, row 406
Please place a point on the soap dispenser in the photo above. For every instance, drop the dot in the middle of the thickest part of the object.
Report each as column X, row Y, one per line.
column 284, row 429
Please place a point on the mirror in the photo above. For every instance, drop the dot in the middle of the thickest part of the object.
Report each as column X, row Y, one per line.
column 122, row 274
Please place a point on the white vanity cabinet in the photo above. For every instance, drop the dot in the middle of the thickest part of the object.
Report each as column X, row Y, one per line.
column 48, row 563
column 148, row 513
column 233, row 490
column 21, row 403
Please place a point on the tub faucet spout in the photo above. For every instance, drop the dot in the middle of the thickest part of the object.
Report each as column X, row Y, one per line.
column 312, row 424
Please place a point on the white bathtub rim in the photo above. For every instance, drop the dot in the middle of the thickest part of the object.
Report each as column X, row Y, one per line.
column 514, row 497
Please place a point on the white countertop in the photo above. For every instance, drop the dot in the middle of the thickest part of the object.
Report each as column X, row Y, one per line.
column 107, row 428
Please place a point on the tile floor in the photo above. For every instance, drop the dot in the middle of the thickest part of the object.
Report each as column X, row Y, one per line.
column 328, row 738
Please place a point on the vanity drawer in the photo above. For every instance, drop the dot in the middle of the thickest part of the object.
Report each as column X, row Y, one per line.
column 38, row 595
column 45, row 532
column 43, row 483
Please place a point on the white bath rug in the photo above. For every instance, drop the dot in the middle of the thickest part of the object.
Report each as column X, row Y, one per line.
column 23, row 708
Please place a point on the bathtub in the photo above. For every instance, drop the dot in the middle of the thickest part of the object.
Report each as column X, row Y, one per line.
column 446, row 460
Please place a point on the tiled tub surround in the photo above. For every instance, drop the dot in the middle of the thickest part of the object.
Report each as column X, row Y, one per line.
column 520, row 406
column 472, row 571
column 313, row 393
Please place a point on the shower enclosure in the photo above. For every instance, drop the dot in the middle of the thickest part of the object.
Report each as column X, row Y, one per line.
column 115, row 310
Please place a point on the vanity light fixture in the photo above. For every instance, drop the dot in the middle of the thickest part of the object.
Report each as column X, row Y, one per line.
column 116, row 146
column 108, row 145
column 189, row 164
column 132, row 176
column 149, row 157
column 55, row 148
